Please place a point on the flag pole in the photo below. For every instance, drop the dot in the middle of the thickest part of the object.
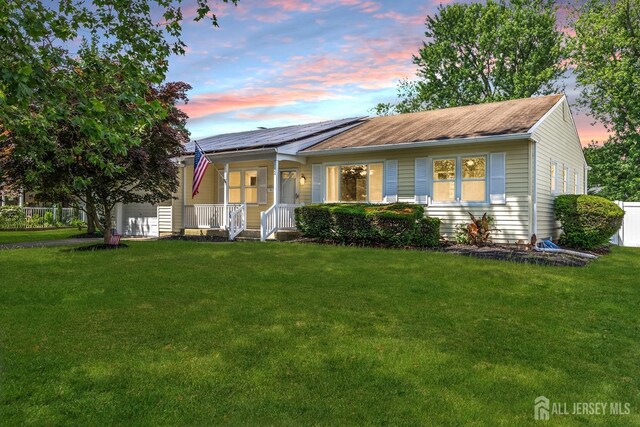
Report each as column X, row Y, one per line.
column 212, row 163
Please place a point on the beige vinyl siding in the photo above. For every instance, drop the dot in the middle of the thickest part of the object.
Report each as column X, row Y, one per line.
column 512, row 218
column 557, row 141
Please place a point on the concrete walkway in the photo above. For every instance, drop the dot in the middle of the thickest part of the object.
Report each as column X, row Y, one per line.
column 60, row 242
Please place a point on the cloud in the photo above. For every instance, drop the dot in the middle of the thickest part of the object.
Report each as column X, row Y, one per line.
column 588, row 131
column 365, row 6
column 206, row 104
column 417, row 19
column 282, row 116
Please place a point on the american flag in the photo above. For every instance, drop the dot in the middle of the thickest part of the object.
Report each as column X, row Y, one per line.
column 200, row 165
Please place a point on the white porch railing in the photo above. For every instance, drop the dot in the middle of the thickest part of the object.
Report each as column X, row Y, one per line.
column 277, row 217
column 237, row 221
column 287, row 217
column 206, row 216
column 268, row 222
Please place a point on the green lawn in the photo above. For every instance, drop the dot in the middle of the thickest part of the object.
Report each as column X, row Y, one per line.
column 37, row 235
column 184, row 333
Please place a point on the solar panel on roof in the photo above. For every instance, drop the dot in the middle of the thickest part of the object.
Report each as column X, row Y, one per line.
column 272, row 137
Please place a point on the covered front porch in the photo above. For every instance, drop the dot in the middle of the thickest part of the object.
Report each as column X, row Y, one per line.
column 254, row 194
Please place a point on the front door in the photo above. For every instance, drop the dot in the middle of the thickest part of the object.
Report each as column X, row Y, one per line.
column 288, row 183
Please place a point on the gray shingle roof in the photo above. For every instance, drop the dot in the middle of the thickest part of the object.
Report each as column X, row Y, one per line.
column 496, row 118
column 303, row 136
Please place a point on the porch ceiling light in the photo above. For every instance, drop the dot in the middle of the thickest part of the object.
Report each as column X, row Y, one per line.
column 303, row 180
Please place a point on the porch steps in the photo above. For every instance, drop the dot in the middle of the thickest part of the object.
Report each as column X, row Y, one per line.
column 249, row 234
column 247, row 239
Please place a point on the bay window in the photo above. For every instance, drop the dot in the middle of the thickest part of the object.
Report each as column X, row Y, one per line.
column 354, row 183
column 468, row 174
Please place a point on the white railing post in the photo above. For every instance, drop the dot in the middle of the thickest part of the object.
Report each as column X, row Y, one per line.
column 225, row 209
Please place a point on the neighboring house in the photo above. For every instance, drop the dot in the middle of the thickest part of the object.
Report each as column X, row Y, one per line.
column 508, row 159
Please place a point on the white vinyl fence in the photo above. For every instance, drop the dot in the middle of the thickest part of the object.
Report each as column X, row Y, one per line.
column 629, row 233
column 18, row 217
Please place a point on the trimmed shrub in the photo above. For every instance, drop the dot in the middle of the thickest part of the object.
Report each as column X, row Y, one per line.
column 314, row 221
column 427, row 233
column 394, row 229
column 587, row 221
column 361, row 224
column 352, row 225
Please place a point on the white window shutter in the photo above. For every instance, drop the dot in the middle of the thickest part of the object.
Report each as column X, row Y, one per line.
column 317, row 175
column 421, row 188
column 559, row 174
column 391, row 181
column 220, row 187
column 262, row 186
column 497, row 178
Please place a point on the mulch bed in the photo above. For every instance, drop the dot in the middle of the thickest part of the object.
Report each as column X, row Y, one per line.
column 100, row 247
column 86, row 236
column 513, row 254
column 202, row 238
column 510, row 253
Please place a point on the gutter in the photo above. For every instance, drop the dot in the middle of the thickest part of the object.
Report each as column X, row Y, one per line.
column 236, row 153
column 420, row 144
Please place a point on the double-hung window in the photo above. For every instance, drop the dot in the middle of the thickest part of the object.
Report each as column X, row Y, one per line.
column 354, row 183
column 474, row 179
column 554, row 178
column 444, row 180
column 243, row 186
column 461, row 178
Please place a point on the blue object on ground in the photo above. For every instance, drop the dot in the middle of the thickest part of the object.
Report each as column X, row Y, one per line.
column 547, row 244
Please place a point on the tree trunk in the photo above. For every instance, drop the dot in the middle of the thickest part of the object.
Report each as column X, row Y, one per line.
column 91, row 224
column 107, row 226
column 90, row 209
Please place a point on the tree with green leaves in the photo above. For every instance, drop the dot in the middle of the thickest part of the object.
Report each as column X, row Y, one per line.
column 615, row 172
column 484, row 52
column 75, row 79
column 606, row 58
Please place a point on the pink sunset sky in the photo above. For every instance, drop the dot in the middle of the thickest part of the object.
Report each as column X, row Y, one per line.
column 282, row 62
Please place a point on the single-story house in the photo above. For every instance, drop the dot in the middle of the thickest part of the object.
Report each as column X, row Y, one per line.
column 508, row 159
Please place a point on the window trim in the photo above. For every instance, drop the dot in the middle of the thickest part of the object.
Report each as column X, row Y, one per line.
column 454, row 180
column 355, row 162
column 458, row 180
column 553, row 173
column 243, row 187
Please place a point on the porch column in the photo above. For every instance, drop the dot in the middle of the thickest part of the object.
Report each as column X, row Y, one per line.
column 225, row 208
column 3, row 200
column 276, row 182
column 183, row 165
column 21, row 198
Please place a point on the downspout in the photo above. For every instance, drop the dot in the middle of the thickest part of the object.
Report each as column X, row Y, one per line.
column 534, row 189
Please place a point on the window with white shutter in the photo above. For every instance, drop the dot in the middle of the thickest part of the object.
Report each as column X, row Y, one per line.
column 317, row 175
column 390, row 181
column 497, row 178
column 421, row 185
